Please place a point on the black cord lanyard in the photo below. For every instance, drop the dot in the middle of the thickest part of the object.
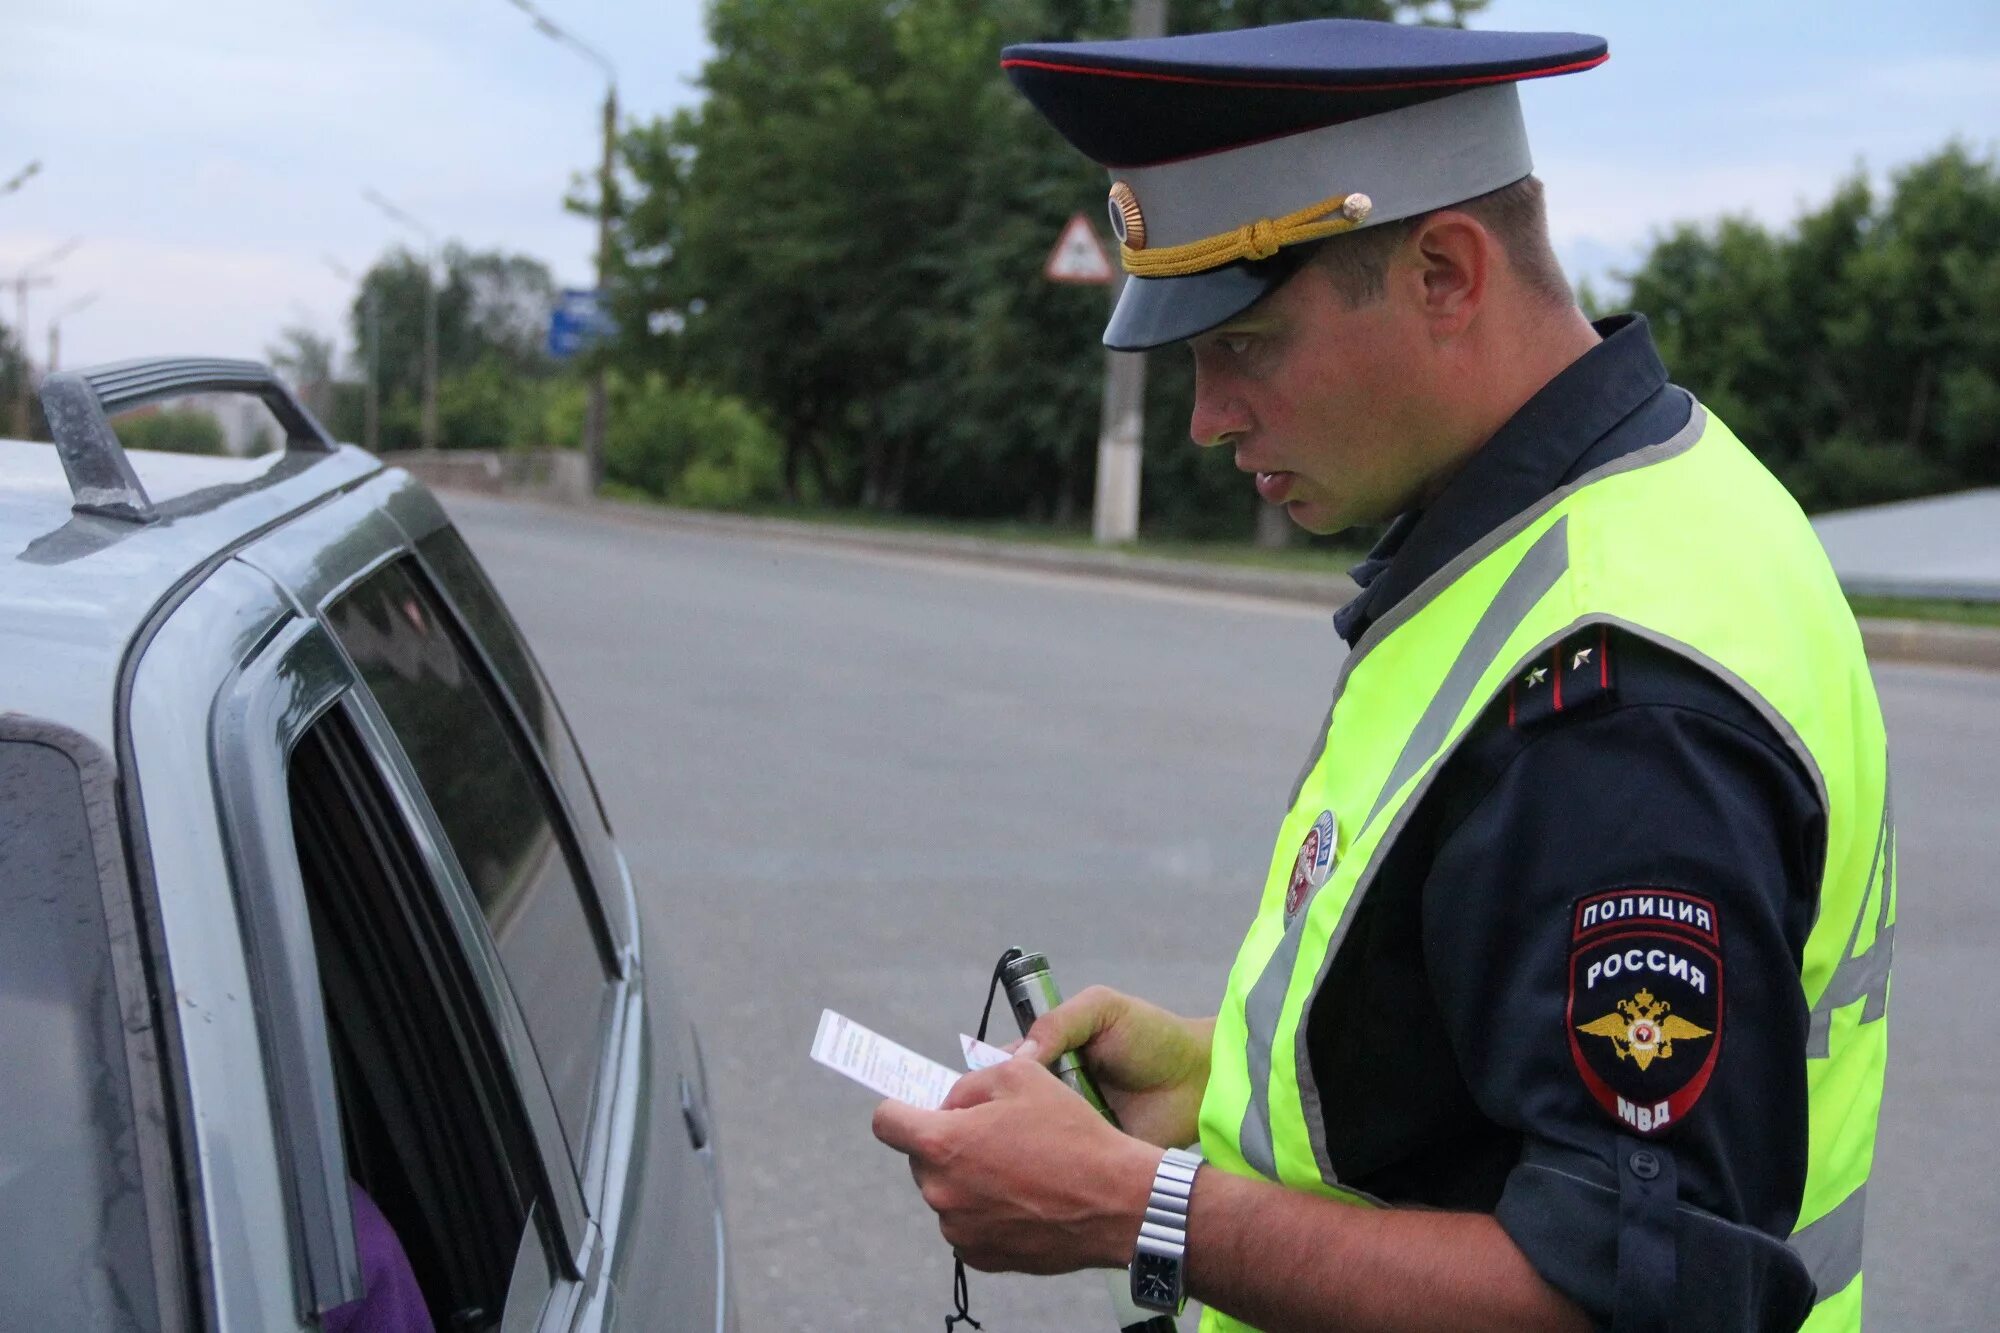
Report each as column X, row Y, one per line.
column 960, row 1297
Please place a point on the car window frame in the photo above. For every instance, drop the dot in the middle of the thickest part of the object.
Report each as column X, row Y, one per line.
column 260, row 713
column 287, row 687
column 321, row 556
column 615, row 933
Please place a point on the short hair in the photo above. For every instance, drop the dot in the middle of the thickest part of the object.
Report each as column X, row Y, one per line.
column 1358, row 263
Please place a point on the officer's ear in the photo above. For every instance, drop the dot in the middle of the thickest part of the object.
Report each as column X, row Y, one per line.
column 1451, row 258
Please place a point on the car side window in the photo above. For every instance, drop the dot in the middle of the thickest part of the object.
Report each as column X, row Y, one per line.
column 438, row 1155
column 509, row 838
column 449, row 559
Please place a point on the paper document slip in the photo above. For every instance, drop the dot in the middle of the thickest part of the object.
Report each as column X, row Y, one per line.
column 876, row 1063
column 880, row 1065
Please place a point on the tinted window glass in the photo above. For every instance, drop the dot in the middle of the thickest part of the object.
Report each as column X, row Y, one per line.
column 467, row 586
column 480, row 780
column 76, row 1253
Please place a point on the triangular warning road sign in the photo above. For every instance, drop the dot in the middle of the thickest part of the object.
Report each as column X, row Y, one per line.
column 1079, row 256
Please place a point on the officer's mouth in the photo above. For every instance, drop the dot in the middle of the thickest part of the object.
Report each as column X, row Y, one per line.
column 1276, row 487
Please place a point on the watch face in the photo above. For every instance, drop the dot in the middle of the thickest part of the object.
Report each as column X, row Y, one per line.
column 1155, row 1282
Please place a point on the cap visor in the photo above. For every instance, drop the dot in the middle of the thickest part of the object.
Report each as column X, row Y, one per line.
column 1152, row 312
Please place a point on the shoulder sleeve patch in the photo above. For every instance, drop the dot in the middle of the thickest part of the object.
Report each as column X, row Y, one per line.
column 1572, row 675
column 1645, row 1002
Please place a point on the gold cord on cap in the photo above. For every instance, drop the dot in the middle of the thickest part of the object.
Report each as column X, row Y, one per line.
column 1253, row 240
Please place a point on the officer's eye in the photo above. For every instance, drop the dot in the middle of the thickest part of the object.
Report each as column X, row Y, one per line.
column 1235, row 344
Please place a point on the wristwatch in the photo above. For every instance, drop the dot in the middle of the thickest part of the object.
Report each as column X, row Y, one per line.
column 1158, row 1275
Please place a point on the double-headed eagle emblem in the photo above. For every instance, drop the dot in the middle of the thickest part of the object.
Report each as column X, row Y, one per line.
column 1643, row 1029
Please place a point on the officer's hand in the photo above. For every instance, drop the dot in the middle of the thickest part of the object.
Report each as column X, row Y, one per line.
column 1151, row 1066
column 1023, row 1174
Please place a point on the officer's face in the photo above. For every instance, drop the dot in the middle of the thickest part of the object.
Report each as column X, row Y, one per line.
column 1331, row 407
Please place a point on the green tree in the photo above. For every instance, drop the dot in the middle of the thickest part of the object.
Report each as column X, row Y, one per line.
column 1858, row 353
column 13, row 378
column 849, row 234
column 174, row 430
column 492, row 312
column 305, row 358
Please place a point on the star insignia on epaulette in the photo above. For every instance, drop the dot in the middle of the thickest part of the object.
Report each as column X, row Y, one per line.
column 1535, row 677
column 1582, row 656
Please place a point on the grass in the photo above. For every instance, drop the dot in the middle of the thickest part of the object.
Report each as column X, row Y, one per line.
column 1304, row 558
column 1909, row 608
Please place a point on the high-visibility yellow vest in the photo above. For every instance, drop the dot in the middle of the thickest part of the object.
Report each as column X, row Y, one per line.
column 1638, row 544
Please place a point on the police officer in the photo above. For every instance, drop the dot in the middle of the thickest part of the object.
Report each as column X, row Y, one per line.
column 1563, row 1003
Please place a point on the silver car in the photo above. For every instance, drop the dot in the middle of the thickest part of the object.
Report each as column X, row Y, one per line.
column 304, row 890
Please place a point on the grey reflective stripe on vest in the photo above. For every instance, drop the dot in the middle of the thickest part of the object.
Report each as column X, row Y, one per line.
column 1678, row 443
column 1527, row 583
column 1831, row 1247
column 1867, row 975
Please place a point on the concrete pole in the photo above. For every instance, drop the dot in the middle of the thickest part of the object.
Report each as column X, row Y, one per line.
column 430, row 424
column 21, row 342
column 371, row 429
column 597, row 408
column 24, row 412
column 1122, row 428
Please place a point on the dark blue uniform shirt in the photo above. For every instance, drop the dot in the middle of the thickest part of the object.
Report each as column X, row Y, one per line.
column 1442, row 1041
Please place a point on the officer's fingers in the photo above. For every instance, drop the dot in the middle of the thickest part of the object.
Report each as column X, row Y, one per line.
column 978, row 1088
column 1075, row 1021
column 908, row 1129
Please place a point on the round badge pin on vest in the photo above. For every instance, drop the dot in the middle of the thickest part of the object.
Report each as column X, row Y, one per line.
column 1314, row 863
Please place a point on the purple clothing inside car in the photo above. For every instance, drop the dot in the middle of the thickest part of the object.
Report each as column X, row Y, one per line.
column 390, row 1301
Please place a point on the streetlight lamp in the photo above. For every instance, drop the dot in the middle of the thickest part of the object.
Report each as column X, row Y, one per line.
column 595, row 414
column 371, row 353
column 55, row 327
column 430, row 312
column 27, row 277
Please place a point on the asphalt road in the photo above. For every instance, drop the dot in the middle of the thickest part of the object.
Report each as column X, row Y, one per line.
column 849, row 780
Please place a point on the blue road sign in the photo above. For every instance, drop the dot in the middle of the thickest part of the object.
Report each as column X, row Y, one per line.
column 578, row 320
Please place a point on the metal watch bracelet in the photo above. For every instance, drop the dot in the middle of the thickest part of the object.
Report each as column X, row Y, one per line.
column 1158, row 1263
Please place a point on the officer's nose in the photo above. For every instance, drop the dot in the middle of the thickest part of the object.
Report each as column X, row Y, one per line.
column 1219, row 416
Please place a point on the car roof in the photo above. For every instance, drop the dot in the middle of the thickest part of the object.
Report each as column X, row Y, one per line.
column 76, row 587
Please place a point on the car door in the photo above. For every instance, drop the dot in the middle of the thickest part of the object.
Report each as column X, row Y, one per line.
column 652, row 1171
column 408, row 1111
column 467, row 734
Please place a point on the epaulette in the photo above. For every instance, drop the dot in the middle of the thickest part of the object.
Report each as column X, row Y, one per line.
column 1576, row 673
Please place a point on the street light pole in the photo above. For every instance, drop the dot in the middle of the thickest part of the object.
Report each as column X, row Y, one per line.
column 21, row 282
column 371, row 343
column 596, row 418
column 55, row 328
column 430, row 423
column 596, row 415
column 1122, row 427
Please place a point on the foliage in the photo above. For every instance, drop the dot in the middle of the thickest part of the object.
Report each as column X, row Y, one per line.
column 305, row 359
column 849, row 234
column 492, row 317
column 13, row 379
column 1859, row 353
column 690, row 446
column 175, row 430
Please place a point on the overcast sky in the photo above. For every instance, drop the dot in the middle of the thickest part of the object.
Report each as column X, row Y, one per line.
column 211, row 153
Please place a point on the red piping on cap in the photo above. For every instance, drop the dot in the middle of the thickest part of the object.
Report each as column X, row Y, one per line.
column 1309, row 87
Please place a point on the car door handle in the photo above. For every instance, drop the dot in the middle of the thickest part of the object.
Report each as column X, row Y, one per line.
column 693, row 1112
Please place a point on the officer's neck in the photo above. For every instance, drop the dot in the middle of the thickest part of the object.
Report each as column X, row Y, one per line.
column 1508, row 355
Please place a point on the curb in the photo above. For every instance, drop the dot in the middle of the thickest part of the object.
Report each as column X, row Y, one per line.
column 1929, row 643
column 1328, row 590
column 1932, row 643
